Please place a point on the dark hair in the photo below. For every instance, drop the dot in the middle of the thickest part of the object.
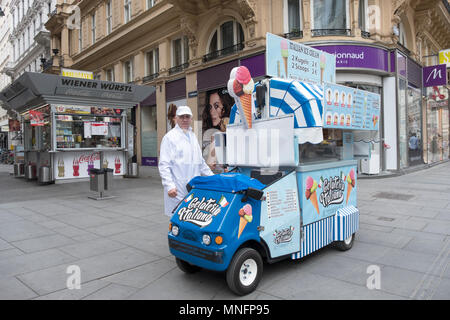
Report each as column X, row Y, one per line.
column 171, row 113
column 227, row 103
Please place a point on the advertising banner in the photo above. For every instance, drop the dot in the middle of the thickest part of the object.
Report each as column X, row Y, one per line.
column 444, row 57
column 349, row 108
column 36, row 118
column 326, row 191
column 291, row 60
column 77, row 164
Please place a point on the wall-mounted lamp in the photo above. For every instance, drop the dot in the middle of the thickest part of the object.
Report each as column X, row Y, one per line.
column 55, row 51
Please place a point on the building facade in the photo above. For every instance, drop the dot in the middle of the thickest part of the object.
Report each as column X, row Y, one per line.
column 187, row 49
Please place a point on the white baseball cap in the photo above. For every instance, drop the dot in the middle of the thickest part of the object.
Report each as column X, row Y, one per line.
column 182, row 110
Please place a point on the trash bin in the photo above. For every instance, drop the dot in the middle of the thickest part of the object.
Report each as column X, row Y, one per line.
column 44, row 175
column 97, row 179
column 19, row 170
column 133, row 170
column 109, row 177
column 30, row 172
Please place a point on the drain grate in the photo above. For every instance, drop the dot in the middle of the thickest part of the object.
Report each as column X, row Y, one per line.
column 394, row 196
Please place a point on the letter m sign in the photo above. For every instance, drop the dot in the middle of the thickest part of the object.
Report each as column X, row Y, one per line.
column 434, row 75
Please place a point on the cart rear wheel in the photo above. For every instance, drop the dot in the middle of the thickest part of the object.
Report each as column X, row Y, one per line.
column 186, row 266
column 245, row 271
column 346, row 244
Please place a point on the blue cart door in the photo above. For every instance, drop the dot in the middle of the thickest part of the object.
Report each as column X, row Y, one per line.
column 280, row 216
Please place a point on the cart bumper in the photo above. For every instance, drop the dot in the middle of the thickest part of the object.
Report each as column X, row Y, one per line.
column 207, row 259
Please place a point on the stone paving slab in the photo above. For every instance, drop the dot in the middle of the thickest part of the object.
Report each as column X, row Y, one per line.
column 121, row 245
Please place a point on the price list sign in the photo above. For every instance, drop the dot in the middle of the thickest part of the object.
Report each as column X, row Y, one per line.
column 291, row 60
column 349, row 108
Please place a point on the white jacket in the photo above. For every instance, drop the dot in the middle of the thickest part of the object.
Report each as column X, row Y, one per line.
column 180, row 160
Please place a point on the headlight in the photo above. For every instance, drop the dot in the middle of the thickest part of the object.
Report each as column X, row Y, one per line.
column 206, row 239
column 175, row 230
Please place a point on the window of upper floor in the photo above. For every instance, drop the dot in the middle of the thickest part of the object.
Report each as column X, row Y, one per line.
column 128, row 71
column 110, row 74
column 363, row 15
column 93, row 26
column 152, row 62
column 330, row 17
column 127, row 10
column 150, row 3
column 292, row 12
column 108, row 17
column 180, row 51
column 227, row 38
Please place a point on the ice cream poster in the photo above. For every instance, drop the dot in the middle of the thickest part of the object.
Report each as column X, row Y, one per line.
column 292, row 60
column 326, row 191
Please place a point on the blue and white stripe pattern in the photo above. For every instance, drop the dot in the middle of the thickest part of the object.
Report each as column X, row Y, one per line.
column 334, row 228
column 346, row 223
column 301, row 98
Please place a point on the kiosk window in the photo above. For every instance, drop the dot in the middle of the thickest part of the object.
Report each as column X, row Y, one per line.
column 88, row 131
column 330, row 149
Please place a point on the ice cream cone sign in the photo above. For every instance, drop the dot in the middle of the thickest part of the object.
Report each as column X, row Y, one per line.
column 240, row 87
column 350, row 183
column 245, row 216
column 285, row 55
column 311, row 194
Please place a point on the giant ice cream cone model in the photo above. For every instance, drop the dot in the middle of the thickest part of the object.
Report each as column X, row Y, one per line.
column 240, row 87
column 245, row 214
column 285, row 54
column 350, row 183
column 311, row 194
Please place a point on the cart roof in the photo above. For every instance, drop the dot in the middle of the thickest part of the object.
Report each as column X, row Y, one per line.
column 226, row 182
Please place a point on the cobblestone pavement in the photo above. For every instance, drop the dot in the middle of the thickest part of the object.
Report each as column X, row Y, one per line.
column 121, row 246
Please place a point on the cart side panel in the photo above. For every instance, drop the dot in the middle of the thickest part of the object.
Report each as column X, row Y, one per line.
column 280, row 216
column 333, row 189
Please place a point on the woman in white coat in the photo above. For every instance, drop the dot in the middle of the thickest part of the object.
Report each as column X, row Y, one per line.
column 180, row 160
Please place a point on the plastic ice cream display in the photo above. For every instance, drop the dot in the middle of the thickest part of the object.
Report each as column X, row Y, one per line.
column 310, row 193
column 323, row 63
column 240, row 87
column 245, row 216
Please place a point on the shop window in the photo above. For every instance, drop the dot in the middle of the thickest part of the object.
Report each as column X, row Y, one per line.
column 330, row 17
column 292, row 19
column 228, row 38
column 100, row 129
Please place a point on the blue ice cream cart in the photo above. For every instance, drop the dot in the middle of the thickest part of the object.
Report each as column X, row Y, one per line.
column 292, row 187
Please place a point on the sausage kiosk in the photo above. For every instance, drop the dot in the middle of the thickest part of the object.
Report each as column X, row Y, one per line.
column 72, row 125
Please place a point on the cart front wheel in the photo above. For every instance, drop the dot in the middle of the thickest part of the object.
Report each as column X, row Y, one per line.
column 346, row 244
column 245, row 271
column 186, row 266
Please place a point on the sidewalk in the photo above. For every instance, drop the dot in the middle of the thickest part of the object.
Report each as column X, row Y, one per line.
column 120, row 245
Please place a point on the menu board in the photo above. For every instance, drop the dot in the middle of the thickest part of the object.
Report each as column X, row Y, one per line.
column 350, row 108
column 292, row 60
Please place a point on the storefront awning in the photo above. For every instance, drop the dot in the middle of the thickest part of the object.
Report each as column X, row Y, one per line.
column 34, row 89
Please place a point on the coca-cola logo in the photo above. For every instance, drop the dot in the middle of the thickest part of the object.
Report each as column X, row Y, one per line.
column 89, row 158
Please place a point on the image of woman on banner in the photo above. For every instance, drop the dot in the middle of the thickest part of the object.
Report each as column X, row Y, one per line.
column 171, row 112
column 215, row 118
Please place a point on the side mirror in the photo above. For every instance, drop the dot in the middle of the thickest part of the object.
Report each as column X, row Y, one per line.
column 188, row 188
column 252, row 193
